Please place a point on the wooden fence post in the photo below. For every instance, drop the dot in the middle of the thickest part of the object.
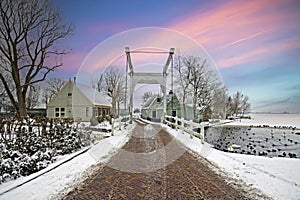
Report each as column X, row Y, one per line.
column 202, row 132
column 120, row 123
column 191, row 128
column 182, row 124
column 112, row 126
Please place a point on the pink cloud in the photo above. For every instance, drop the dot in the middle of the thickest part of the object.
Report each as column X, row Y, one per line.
column 243, row 39
column 240, row 29
column 262, row 52
column 228, row 17
column 235, row 32
column 111, row 52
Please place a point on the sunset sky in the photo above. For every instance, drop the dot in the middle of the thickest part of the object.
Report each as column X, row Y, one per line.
column 254, row 44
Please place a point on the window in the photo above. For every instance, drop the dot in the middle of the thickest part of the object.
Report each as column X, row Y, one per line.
column 87, row 110
column 95, row 112
column 62, row 112
column 56, row 112
column 154, row 114
column 59, row 112
column 173, row 113
column 69, row 94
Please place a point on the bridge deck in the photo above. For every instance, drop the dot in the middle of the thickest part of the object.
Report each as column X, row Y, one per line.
column 185, row 177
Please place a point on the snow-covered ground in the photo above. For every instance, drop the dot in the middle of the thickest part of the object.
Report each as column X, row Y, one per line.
column 278, row 178
column 270, row 119
column 103, row 125
column 62, row 178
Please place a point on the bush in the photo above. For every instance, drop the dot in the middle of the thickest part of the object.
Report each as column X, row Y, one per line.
column 25, row 149
column 103, row 118
column 94, row 121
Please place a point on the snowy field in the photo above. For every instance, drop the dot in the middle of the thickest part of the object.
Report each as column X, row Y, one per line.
column 271, row 120
column 62, row 178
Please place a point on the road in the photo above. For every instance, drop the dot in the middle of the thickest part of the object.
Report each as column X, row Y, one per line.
column 153, row 165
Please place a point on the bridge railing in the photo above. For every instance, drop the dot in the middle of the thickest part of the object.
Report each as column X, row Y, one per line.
column 194, row 129
column 119, row 122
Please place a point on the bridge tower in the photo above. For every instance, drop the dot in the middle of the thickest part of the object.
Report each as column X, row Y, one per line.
column 147, row 78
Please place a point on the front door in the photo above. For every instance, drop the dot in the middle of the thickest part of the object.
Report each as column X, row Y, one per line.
column 153, row 113
column 174, row 113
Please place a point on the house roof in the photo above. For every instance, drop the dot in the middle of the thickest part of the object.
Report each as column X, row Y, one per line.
column 168, row 97
column 150, row 101
column 94, row 96
column 40, row 106
column 153, row 98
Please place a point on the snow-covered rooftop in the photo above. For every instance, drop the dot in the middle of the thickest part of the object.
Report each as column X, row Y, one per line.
column 150, row 101
column 94, row 96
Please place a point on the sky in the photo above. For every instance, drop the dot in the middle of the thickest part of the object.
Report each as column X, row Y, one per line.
column 255, row 45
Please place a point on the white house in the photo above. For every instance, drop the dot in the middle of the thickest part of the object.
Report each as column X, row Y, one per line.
column 78, row 102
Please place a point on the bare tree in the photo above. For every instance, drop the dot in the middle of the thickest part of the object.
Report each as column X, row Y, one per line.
column 238, row 104
column 219, row 102
column 2, row 90
column 112, row 83
column 33, row 95
column 53, row 85
column 183, row 72
column 229, row 106
column 203, row 83
column 146, row 96
column 245, row 105
column 196, row 80
column 29, row 34
column 5, row 102
column 120, row 94
column 2, row 96
column 98, row 83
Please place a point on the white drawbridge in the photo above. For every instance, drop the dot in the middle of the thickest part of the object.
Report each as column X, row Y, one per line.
column 148, row 78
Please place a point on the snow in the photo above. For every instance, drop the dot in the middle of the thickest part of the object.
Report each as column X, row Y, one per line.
column 62, row 178
column 270, row 119
column 105, row 125
column 93, row 95
column 278, row 178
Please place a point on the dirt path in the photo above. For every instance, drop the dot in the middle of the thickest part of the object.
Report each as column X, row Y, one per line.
column 188, row 177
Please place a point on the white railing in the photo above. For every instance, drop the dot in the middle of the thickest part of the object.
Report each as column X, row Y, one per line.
column 187, row 125
column 119, row 122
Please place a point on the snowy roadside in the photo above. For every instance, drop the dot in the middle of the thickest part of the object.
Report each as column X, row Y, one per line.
column 278, row 178
column 11, row 185
column 62, row 178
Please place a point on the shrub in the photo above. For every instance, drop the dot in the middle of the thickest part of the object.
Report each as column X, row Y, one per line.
column 25, row 149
